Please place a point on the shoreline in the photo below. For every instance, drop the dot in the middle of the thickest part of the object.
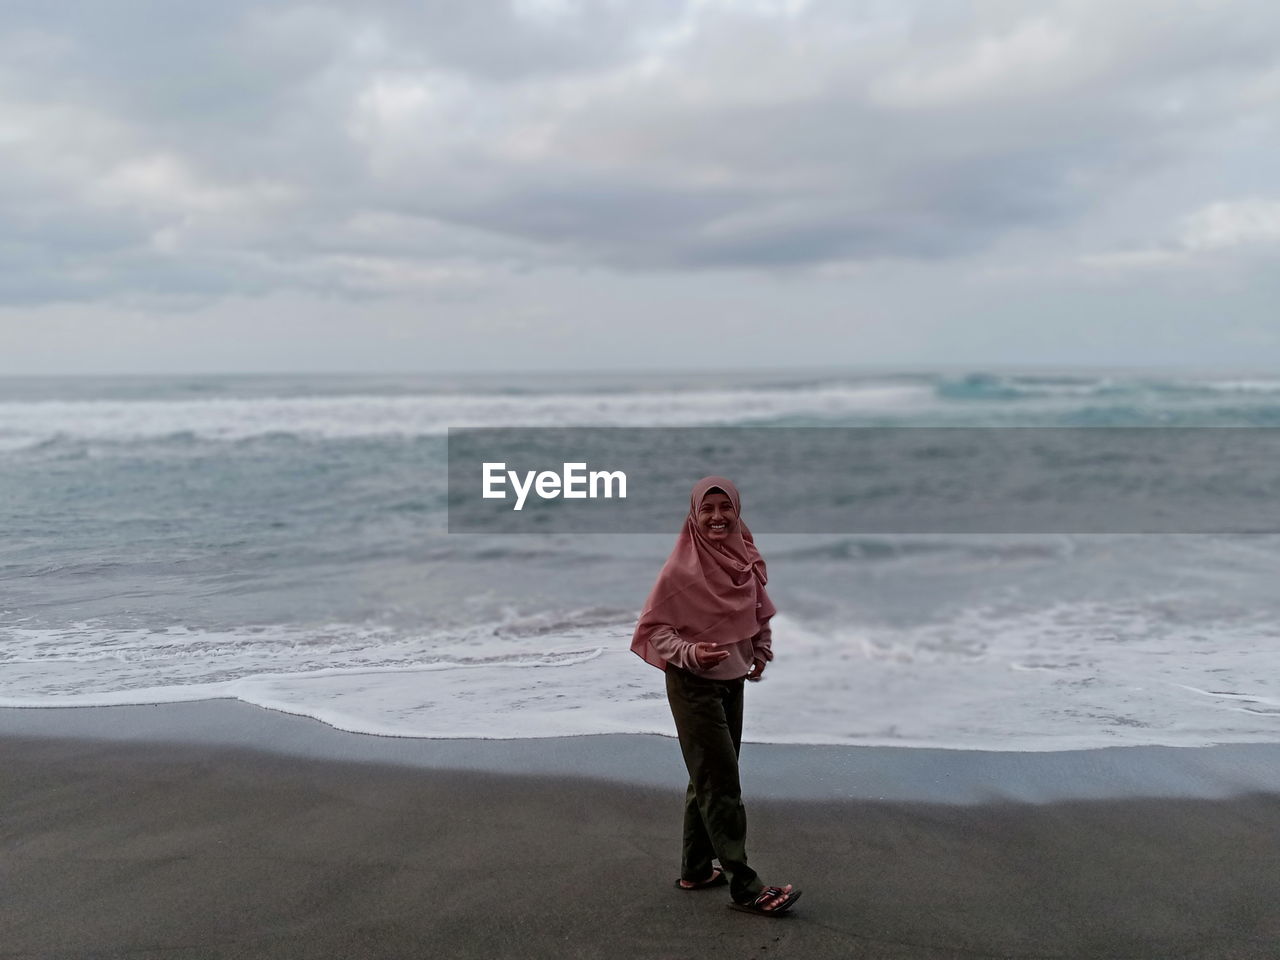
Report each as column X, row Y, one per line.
column 165, row 849
column 770, row 771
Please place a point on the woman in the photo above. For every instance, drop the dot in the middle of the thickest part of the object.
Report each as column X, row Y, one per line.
column 706, row 623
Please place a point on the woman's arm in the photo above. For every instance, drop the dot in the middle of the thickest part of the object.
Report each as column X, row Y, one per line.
column 672, row 648
column 762, row 643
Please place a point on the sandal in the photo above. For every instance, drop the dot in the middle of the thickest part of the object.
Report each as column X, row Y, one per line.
column 767, row 894
column 718, row 879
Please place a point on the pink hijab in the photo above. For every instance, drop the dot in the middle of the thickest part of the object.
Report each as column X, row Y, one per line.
column 707, row 591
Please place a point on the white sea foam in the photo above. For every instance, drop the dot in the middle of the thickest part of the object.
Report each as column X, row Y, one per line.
column 29, row 423
column 1064, row 677
column 1241, row 386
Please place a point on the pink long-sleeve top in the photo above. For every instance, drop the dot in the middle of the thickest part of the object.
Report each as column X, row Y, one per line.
column 671, row 647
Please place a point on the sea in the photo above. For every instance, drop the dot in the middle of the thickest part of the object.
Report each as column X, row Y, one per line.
column 282, row 540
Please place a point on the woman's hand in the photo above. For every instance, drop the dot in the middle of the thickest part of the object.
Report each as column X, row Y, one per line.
column 757, row 668
column 708, row 654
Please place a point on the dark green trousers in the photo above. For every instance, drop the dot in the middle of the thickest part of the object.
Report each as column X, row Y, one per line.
column 708, row 715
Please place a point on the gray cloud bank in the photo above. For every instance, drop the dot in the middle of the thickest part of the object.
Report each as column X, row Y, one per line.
column 188, row 152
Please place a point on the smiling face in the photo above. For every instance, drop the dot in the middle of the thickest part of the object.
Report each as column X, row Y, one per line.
column 716, row 516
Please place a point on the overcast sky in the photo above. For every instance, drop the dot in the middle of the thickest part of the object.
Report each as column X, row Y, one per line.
column 473, row 184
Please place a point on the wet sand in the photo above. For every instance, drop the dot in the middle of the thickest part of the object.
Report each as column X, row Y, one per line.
column 141, row 849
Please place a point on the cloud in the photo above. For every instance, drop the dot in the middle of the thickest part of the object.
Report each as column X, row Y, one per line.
column 1248, row 229
column 169, row 151
column 1225, row 225
column 1034, row 56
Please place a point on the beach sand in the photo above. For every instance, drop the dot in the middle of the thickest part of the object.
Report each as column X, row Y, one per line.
column 143, row 848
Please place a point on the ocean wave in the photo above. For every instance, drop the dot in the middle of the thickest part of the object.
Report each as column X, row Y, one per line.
column 70, row 429
column 1061, row 676
column 988, row 387
column 55, row 426
column 910, row 547
column 979, row 386
column 1247, row 386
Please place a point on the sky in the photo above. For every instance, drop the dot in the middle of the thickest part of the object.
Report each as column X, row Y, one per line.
column 660, row 184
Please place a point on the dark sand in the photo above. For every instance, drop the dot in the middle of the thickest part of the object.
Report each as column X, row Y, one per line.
column 183, row 850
